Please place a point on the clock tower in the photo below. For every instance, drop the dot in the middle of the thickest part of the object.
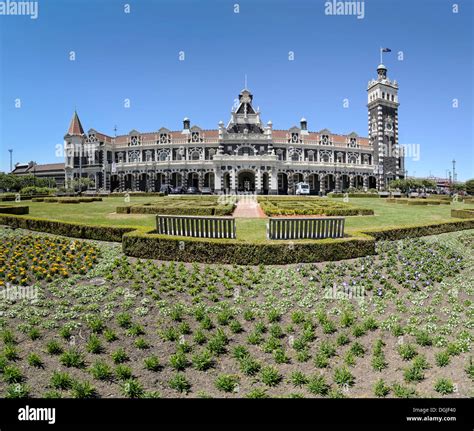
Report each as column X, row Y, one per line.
column 382, row 104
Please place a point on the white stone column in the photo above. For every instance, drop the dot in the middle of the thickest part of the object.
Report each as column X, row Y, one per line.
column 258, row 182
column 217, row 180
column 273, row 182
column 233, row 181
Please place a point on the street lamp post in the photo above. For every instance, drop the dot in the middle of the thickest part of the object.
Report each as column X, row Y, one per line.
column 454, row 170
column 11, row 159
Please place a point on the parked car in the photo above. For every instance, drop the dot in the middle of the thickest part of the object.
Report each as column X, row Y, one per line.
column 178, row 190
column 192, row 191
column 206, row 191
column 166, row 189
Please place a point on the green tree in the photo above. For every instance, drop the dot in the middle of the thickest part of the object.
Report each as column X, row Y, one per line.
column 458, row 187
column 470, row 186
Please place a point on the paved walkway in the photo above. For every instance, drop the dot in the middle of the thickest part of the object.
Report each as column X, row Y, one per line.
column 248, row 208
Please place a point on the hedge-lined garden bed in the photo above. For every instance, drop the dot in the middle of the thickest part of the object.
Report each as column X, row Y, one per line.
column 416, row 231
column 309, row 206
column 354, row 195
column 464, row 213
column 17, row 210
column 150, row 245
column 419, row 201
column 68, row 200
column 75, row 230
column 210, row 210
column 139, row 243
column 10, row 197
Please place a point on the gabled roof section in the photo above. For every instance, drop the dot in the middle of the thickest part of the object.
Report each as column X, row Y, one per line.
column 75, row 127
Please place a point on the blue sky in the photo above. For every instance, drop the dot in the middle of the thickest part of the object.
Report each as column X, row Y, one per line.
column 135, row 56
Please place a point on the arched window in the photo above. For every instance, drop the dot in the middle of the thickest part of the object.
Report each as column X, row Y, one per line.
column 163, row 156
column 211, row 153
column 194, row 155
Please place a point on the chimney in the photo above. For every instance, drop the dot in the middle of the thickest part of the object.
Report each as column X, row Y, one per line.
column 304, row 126
column 186, row 125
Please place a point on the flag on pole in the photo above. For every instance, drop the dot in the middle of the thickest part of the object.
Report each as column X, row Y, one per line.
column 383, row 50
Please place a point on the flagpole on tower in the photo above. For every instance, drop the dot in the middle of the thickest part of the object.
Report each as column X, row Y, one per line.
column 381, row 56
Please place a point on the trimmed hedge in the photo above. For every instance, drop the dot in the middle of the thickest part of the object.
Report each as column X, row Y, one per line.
column 150, row 245
column 67, row 200
column 9, row 197
column 464, row 213
column 17, row 210
column 75, row 230
column 354, row 195
column 218, row 210
column 413, row 201
column 311, row 206
column 415, row 231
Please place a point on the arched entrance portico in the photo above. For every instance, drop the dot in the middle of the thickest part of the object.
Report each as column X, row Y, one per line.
column 345, row 182
column 330, row 183
column 114, row 182
column 226, row 182
column 159, row 181
column 282, row 183
column 372, row 182
column 176, row 179
column 314, row 186
column 246, row 181
column 265, row 183
column 209, row 180
column 193, row 179
column 128, row 179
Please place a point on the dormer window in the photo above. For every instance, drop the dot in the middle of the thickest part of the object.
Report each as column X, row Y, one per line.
column 165, row 138
column 325, row 140
column 353, row 142
column 195, row 137
column 295, row 137
column 134, row 140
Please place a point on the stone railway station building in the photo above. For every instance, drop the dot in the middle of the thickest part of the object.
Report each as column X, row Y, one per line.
column 245, row 155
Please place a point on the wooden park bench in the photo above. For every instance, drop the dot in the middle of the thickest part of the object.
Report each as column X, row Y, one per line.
column 305, row 227
column 196, row 226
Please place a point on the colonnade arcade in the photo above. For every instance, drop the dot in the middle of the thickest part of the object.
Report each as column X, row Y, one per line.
column 228, row 179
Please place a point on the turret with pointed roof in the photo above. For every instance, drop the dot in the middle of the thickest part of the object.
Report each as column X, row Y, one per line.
column 75, row 127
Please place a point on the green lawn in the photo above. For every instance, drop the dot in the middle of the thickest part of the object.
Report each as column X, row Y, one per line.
column 103, row 213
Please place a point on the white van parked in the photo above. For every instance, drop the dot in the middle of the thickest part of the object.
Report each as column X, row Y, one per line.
column 302, row 189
